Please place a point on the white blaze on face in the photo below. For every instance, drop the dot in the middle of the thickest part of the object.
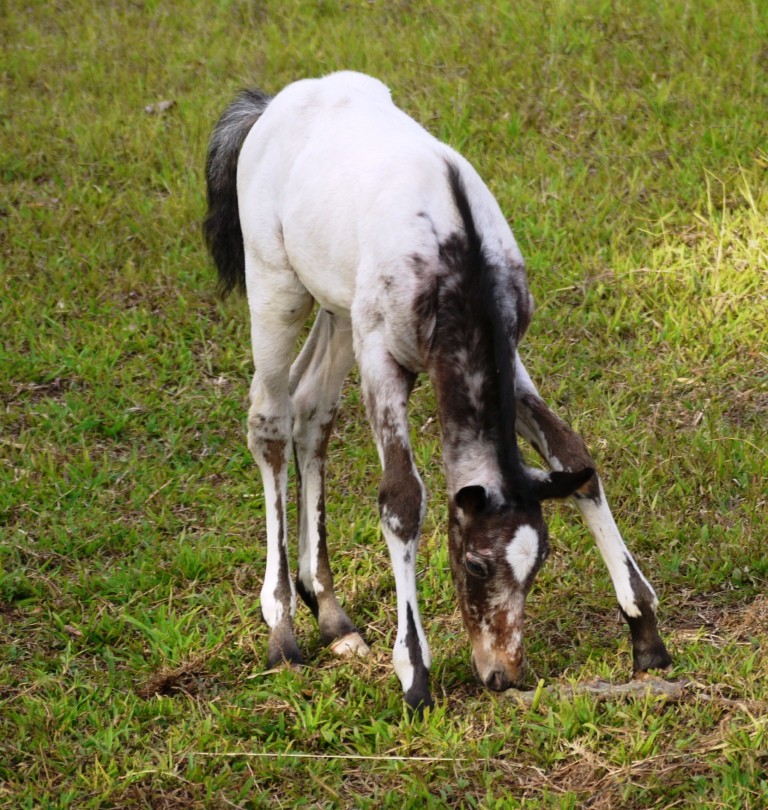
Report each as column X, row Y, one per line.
column 522, row 552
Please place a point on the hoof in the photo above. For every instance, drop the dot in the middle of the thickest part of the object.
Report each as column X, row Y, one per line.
column 655, row 658
column 284, row 651
column 418, row 697
column 416, row 706
column 350, row 645
column 648, row 650
column 283, row 662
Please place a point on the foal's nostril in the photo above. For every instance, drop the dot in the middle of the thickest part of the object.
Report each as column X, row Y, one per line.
column 498, row 680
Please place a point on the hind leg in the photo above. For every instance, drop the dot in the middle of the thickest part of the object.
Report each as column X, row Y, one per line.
column 278, row 312
column 315, row 384
column 563, row 449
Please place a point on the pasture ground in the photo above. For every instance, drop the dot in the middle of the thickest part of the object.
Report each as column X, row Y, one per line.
column 627, row 144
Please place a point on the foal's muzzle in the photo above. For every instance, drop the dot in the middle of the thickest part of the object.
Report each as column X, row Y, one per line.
column 497, row 678
column 498, row 681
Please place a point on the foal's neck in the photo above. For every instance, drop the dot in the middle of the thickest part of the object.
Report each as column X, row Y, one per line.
column 467, row 402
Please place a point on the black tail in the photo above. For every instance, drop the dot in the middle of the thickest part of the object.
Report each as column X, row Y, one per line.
column 221, row 227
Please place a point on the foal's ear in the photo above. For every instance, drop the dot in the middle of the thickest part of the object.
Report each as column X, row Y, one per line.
column 471, row 500
column 559, row 484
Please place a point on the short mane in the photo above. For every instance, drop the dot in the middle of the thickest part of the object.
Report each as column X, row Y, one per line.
column 481, row 291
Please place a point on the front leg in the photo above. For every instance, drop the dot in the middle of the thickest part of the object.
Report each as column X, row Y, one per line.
column 563, row 449
column 402, row 498
column 401, row 507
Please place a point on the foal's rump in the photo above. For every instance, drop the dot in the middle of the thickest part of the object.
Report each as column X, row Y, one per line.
column 340, row 187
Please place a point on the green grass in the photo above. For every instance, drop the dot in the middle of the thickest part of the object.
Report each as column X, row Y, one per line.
column 626, row 143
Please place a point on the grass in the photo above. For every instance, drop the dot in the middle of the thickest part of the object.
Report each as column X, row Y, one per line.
column 626, row 142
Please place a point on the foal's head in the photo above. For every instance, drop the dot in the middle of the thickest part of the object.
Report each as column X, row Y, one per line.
column 497, row 544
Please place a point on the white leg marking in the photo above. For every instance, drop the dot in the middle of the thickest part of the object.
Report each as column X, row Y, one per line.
column 386, row 387
column 614, row 552
column 311, row 488
column 271, row 607
column 273, row 335
column 316, row 378
column 404, row 568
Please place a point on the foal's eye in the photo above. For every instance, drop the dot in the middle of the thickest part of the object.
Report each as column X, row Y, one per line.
column 477, row 565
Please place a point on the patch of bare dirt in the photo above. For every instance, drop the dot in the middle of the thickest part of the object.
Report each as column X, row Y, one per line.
column 750, row 622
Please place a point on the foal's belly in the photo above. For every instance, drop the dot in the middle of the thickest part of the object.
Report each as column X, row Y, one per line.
column 333, row 290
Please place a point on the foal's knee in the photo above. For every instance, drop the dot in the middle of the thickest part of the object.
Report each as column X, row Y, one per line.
column 580, row 458
column 571, row 452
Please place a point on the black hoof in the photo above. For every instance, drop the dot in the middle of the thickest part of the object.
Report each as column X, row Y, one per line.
column 648, row 650
column 283, row 651
column 418, row 700
column 284, row 658
column 417, row 712
column 655, row 658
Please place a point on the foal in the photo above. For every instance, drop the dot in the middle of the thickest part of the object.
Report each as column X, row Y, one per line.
column 329, row 194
